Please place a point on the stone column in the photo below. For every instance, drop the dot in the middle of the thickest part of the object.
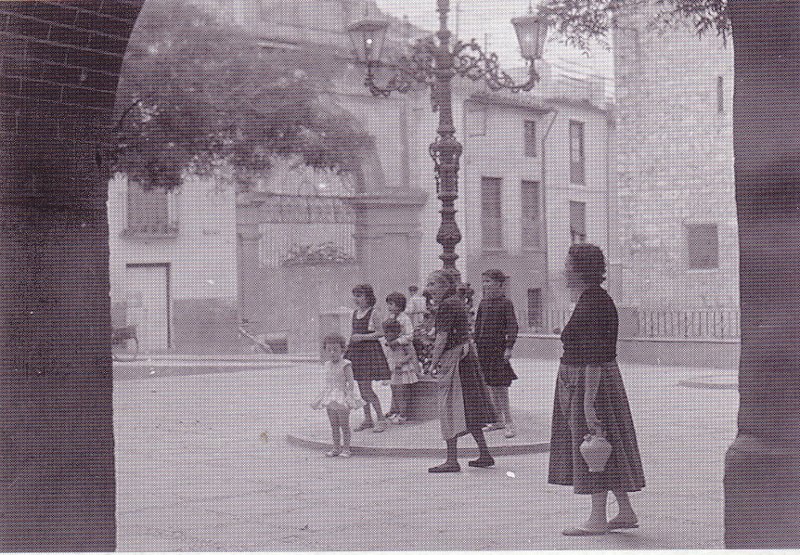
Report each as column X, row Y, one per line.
column 57, row 482
column 247, row 262
column 387, row 237
column 57, row 487
column 762, row 467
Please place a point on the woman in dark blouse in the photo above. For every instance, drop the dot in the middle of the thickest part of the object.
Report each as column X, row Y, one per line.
column 590, row 399
column 464, row 404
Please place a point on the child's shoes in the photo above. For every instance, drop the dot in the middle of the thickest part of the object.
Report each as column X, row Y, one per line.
column 334, row 453
column 346, row 454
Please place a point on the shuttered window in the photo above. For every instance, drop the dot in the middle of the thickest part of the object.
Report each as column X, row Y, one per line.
column 577, row 221
column 577, row 169
column 703, row 246
column 530, row 138
column 492, row 212
column 147, row 210
column 529, row 204
column 535, row 308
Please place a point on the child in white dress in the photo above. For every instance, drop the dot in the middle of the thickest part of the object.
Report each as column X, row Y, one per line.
column 339, row 396
column 404, row 365
column 396, row 305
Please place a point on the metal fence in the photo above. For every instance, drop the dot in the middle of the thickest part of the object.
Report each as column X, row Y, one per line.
column 721, row 323
column 688, row 324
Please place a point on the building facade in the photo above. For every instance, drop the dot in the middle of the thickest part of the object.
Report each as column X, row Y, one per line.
column 173, row 263
column 534, row 178
column 678, row 245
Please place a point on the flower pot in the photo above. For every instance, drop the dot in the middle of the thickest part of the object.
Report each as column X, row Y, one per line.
column 595, row 451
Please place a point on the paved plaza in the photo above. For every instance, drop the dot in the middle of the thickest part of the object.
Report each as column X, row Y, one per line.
column 203, row 464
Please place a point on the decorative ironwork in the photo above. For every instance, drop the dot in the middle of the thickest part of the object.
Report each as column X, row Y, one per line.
column 432, row 62
column 469, row 60
column 419, row 67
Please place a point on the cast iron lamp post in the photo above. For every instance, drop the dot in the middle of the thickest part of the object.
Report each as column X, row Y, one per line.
column 435, row 65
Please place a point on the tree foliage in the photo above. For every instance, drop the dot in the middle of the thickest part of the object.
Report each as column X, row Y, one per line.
column 578, row 21
column 196, row 93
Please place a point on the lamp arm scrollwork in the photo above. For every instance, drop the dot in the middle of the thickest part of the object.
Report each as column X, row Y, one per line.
column 415, row 68
column 470, row 61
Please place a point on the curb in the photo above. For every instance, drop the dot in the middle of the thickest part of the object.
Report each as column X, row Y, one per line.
column 707, row 385
column 496, row 450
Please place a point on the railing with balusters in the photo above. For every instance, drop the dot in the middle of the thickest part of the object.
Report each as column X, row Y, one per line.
column 710, row 323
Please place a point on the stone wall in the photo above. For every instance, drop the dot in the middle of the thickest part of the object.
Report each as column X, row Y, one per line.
column 674, row 161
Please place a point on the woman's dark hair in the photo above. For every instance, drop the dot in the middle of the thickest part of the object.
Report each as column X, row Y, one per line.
column 413, row 288
column 448, row 279
column 397, row 299
column 334, row 338
column 588, row 261
column 365, row 290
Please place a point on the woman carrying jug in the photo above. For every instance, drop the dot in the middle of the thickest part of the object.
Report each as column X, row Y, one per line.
column 590, row 399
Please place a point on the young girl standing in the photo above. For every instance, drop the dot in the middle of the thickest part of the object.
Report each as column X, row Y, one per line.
column 396, row 306
column 404, row 366
column 366, row 354
column 338, row 397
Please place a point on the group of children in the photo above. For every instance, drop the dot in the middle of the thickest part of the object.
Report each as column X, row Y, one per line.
column 364, row 359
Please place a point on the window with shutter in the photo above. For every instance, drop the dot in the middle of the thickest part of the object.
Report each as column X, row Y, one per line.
column 148, row 211
column 535, row 308
column 530, row 138
column 529, row 204
column 577, row 170
column 577, row 221
column 703, row 246
column 492, row 212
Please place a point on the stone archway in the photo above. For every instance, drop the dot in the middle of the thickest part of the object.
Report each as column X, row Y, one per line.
column 382, row 221
column 61, row 63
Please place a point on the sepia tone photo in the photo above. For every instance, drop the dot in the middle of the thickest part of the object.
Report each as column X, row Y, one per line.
column 399, row 275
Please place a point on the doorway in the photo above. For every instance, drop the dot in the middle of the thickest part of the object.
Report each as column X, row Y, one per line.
column 147, row 295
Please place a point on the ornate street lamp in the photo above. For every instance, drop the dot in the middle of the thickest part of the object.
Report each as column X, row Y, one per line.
column 435, row 64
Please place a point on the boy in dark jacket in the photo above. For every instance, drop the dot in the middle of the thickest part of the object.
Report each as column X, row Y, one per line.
column 495, row 333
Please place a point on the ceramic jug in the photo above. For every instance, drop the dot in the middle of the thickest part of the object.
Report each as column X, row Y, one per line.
column 595, row 451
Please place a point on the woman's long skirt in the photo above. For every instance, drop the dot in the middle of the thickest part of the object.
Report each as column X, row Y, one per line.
column 464, row 401
column 623, row 470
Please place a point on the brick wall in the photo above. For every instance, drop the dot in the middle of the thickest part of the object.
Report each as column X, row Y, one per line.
column 59, row 64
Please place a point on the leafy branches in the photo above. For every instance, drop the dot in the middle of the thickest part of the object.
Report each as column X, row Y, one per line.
column 706, row 15
column 196, row 92
column 578, row 21
column 324, row 253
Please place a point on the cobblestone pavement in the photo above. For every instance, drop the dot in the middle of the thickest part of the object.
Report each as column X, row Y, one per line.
column 203, row 465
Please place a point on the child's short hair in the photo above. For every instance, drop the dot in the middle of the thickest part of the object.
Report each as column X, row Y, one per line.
column 334, row 338
column 397, row 299
column 495, row 275
column 392, row 327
